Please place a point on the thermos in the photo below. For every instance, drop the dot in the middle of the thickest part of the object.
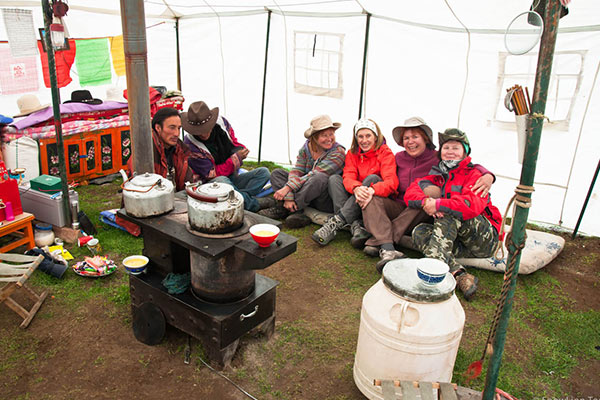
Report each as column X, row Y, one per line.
column 74, row 214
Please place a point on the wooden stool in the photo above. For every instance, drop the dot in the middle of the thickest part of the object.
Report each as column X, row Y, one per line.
column 16, row 275
column 413, row 390
column 21, row 227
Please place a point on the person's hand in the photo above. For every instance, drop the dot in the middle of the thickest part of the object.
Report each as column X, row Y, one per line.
column 243, row 153
column 483, row 185
column 429, row 206
column 290, row 205
column 365, row 202
column 362, row 193
column 281, row 193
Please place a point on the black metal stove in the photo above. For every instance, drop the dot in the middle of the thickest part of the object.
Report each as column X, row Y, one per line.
column 226, row 299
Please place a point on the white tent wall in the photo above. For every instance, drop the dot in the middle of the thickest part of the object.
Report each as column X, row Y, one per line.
column 412, row 70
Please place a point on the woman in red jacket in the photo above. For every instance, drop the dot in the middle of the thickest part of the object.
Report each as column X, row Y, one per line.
column 465, row 225
column 369, row 170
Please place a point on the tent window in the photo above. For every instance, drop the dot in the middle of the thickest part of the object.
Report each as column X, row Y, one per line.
column 565, row 82
column 318, row 63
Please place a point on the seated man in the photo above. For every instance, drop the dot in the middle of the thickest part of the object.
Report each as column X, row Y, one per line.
column 170, row 153
column 216, row 155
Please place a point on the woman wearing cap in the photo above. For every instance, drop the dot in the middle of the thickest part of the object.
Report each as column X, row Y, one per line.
column 369, row 171
column 465, row 225
column 389, row 219
column 306, row 184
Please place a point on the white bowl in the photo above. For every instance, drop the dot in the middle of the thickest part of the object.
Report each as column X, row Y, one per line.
column 135, row 269
column 431, row 271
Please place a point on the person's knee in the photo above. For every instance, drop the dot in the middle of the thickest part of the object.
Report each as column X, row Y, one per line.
column 263, row 172
column 334, row 179
column 371, row 179
column 222, row 179
column 320, row 179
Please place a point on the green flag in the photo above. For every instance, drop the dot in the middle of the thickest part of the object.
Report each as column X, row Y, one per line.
column 93, row 62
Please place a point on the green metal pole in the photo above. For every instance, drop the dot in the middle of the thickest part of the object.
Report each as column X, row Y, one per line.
column 56, row 109
column 542, row 80
column 364, row 67
column 262, row 105
column 178, row 56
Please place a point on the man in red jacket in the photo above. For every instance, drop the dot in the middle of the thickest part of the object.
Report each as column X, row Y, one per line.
column 465, row 225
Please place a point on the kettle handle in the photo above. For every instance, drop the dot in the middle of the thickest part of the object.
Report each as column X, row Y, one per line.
column 190, row 192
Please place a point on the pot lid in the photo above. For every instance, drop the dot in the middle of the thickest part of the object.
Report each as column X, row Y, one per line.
column 215, row 190
column 146, row 180
column 400, row 277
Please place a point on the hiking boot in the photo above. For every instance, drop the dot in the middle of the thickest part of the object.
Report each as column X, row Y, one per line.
column 297, row 220
column 359, row 234
column 467, row 284
column 387, row 256
column 327, row 232
column 266, row 202
column 277, row 212
column 371, row 251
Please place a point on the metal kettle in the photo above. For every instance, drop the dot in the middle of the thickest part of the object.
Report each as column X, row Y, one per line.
column 214, row 207
column 147, row 195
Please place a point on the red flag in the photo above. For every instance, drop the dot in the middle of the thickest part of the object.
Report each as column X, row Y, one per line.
column 63, row 60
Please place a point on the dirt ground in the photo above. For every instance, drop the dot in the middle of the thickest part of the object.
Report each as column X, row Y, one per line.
column 89, row 351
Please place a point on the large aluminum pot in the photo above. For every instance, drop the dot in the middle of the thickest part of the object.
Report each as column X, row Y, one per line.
column 214, row 207
column 148, row 195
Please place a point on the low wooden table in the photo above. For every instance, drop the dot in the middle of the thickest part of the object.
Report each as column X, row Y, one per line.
column 21, row 227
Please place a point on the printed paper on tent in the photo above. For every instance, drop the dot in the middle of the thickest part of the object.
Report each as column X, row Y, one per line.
column 17, row 75
column 20, row 32
column 117, row 51
column 93, row 62
column 63, row 61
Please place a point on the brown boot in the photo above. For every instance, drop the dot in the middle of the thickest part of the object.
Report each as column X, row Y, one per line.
column 467, row 284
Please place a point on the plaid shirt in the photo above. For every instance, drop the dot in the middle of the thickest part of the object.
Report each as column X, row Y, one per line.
column 331, row 162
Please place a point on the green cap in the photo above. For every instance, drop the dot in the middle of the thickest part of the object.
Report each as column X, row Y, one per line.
column 455, row 134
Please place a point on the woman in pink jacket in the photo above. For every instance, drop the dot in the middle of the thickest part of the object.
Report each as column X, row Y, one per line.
column 369, row 172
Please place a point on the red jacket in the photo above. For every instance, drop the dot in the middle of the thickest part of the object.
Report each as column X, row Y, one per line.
column 379, row 162
column 457, row 198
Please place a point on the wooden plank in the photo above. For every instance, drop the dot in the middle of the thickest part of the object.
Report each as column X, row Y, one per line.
column 34, row 310
column 388, row 389
column 447, row 391
column 426, row 389
column 409, row 392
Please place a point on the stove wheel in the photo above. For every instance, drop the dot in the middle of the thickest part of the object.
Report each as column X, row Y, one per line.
column 148, row 324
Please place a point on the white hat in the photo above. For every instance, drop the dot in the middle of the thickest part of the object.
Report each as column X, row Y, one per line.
column 29, row 103
column 114, row 93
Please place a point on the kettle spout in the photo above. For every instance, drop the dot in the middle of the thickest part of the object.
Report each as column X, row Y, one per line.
column 123, row 174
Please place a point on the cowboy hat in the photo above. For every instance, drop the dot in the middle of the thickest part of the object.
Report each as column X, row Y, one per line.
column 83, row 96
column 319, row 123
column 199, row 119
column 413, row 122
column 29, row 103
column 113, row 93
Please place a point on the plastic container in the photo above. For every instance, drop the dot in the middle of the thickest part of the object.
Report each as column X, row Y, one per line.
column 408, row 330
column 43, row 235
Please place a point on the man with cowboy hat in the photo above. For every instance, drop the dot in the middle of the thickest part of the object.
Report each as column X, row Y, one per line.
column 170, row 153
column 217, row 155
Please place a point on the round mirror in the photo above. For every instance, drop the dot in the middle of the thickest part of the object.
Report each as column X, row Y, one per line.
column 523, row 32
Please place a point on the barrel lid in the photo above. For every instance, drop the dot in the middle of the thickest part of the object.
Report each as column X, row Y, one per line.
column 400, row 277
column 215, row 190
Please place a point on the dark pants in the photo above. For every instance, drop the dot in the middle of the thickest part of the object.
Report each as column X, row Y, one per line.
column 249, row 184
column 344, row 203
column 313, row 193
column 388, row 220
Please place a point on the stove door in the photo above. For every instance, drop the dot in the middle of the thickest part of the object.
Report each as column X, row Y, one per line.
column 165, row 256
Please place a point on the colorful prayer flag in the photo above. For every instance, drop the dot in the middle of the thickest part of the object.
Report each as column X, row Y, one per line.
column 117, row 52
column 63, row 60
column 93, row 62
column 17, row 75
column 20, row 31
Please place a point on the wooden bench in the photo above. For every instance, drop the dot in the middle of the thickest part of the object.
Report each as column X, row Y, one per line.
column 16, row 274
column 21, row 228
column 413, row 390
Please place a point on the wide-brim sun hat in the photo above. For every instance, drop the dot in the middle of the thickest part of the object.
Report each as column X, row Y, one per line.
column 83, row 96
column 413, row 122
column 114, row 93
column 319, row 123
column 199, row 118
column 28, row 104
column 457, row 135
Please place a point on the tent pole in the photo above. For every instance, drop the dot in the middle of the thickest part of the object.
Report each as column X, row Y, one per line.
column 56, row 111
column 178, row 56
column 136, row 66
column 364, row 67
column 517, row 241
column 262, row 105
column 585, row 203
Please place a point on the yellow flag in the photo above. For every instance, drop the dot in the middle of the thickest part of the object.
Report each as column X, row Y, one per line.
column 118, row 54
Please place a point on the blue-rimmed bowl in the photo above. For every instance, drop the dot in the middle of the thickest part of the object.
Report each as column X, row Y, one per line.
column 431, row 271
column 135, row 264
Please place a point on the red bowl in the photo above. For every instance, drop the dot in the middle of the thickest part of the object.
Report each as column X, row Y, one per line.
column 264, row 234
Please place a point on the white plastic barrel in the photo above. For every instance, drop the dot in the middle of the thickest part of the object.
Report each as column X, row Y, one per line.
column 408, row 330
column 22, row 153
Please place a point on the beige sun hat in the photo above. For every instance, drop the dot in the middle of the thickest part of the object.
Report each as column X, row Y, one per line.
column 29, row 103
column 319, row 123
column 413, row 122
